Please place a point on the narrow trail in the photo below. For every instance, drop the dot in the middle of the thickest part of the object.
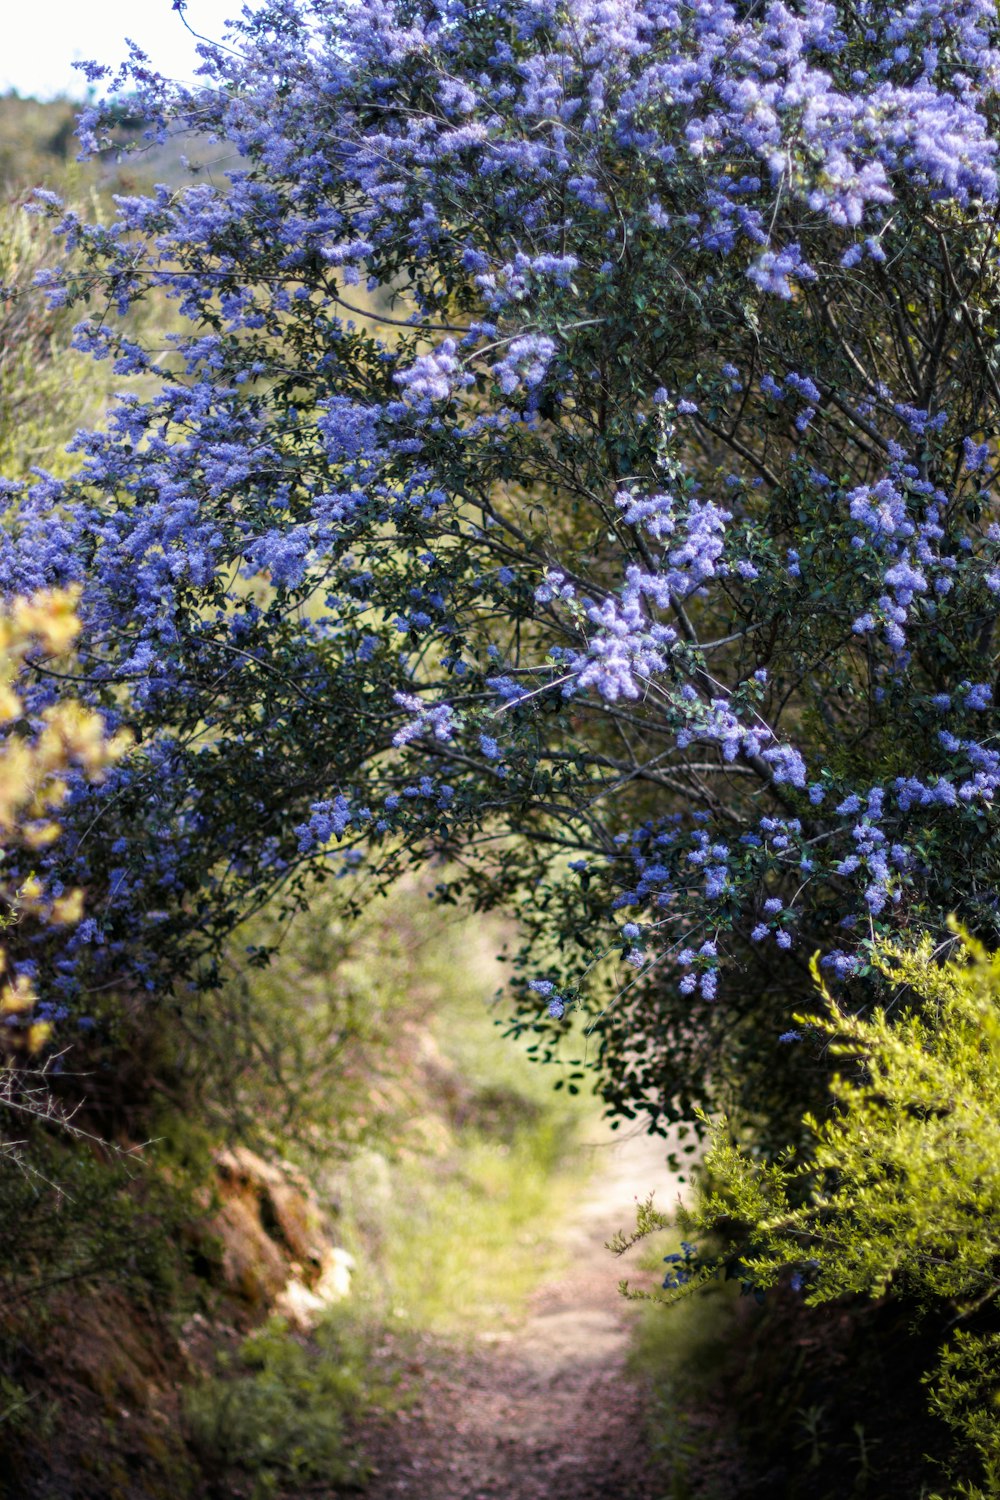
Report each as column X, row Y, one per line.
column 546, row 1408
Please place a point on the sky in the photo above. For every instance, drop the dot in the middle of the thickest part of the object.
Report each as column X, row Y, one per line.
column 41, row 39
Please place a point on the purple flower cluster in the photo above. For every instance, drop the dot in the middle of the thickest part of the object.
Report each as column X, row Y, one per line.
column 307, row 529
column 435, row 720
column 525, row 362
column 432, row 377
column 330, row 820
column 626, row 648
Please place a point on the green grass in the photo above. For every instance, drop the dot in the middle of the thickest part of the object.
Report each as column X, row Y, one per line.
column 467, row 1240
column 448, row 1155
column 277, row 1413
column 466, row 1220
column 461, row 1159
column 684, row 1353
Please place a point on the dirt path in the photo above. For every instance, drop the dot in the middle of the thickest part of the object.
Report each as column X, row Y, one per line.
column 546, row 1409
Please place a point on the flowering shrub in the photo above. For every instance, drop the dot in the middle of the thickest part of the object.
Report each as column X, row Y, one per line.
column 899, row 1189
column 579, row 442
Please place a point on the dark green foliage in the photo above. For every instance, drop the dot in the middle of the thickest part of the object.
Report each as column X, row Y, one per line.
column 758, row 1401
column 895, row 1192
column 75, row 1212
column 277, row 1413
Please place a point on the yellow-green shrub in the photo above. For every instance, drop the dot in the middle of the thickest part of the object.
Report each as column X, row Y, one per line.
column 897, row 1190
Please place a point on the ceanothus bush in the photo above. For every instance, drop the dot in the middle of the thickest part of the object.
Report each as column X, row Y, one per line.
column 572, row 461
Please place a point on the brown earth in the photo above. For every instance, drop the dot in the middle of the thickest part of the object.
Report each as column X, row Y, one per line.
column 547, row 1408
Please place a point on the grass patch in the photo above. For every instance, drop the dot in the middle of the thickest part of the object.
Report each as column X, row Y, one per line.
column 684, row 1353
column 467, row 1239
column 276, row 1416
column 456, row 1225
column 448, row 1158
column 685, row 1347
